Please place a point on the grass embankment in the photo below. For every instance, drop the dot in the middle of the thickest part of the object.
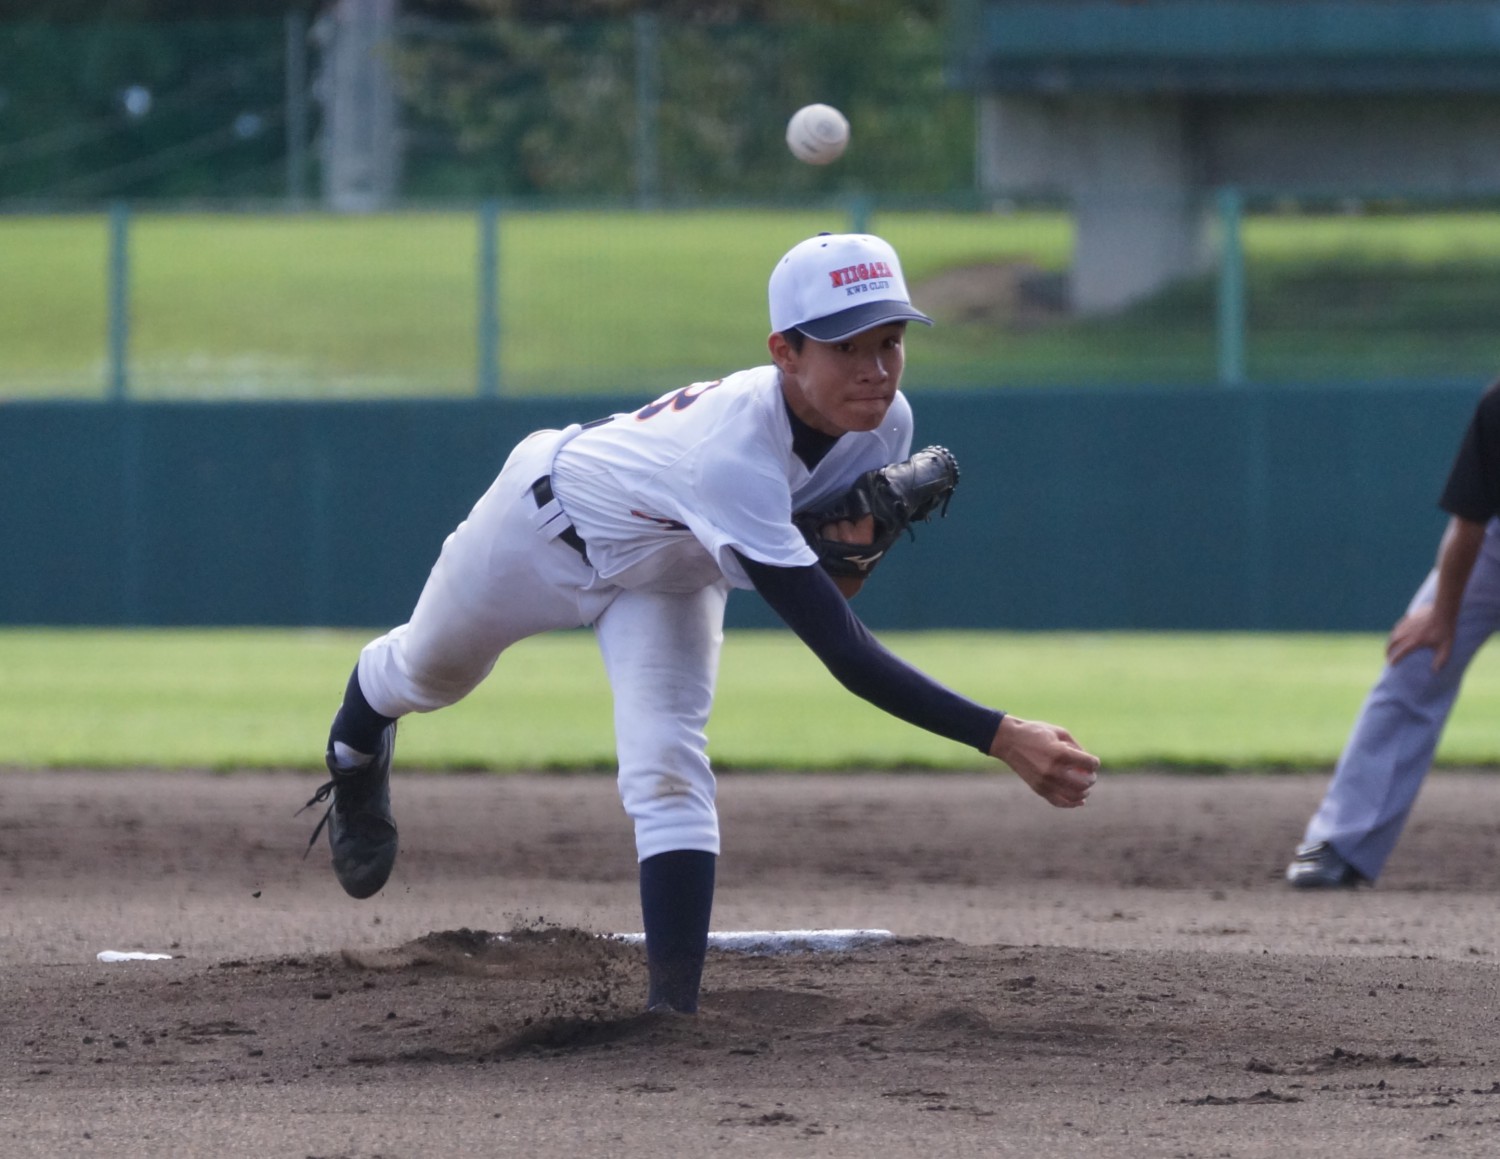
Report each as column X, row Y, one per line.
column 257, row 306
column 227, row 699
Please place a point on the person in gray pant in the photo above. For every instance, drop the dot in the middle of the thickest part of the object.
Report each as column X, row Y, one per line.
column 1390, row 749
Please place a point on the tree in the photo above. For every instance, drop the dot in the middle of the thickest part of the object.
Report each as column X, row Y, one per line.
column 544, row 97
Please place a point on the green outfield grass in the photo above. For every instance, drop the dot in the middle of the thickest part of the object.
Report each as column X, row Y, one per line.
column 230, row 699
column 263, row 306
column 257, row 306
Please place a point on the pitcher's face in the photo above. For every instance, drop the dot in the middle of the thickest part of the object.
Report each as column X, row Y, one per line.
column 849, row 385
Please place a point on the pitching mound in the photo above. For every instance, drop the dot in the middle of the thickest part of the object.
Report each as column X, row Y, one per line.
column 1131, row 979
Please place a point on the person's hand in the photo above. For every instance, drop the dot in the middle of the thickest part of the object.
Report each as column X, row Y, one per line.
column 861, row 530
column 1048, row 759
column 1418, row 629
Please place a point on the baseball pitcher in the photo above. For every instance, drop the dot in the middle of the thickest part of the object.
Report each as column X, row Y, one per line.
column 794, row 479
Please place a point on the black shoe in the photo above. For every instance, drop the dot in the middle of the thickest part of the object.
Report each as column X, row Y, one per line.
column 361, row 827
column 1319, row 866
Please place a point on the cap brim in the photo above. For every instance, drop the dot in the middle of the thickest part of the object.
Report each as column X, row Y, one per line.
column 846, row 323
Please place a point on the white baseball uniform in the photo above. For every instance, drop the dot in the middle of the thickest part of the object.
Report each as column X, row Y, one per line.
column 663, row 501
column 639, row 525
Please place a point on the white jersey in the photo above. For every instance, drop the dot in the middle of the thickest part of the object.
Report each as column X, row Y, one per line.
column 665, row 495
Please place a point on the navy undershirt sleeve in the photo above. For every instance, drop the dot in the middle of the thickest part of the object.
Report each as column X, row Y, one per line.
column 812, row 607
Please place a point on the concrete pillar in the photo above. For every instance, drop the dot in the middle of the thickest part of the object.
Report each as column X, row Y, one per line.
column 1126, row 166
column 1139, row 171
column 359, row 143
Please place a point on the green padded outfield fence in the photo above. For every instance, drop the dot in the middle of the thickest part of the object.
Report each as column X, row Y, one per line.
column 1310, row 509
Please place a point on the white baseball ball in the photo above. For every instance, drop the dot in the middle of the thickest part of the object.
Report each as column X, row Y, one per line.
column 817, row 134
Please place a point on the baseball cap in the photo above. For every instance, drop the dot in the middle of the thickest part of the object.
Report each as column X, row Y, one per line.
column 838, row 284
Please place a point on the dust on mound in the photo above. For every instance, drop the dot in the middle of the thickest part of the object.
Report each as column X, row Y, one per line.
column 564, row 986
column 530, row 952
column 561, row 990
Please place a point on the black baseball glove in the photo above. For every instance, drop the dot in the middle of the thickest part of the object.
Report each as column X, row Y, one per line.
column 897, row 495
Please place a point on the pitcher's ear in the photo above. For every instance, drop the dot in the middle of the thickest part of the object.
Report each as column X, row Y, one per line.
column 782, row 352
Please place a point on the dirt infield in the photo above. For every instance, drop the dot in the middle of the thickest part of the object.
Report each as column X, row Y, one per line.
column 1130, row 979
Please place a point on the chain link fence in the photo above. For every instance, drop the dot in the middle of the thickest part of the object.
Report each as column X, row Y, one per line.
column 524, row 300
column 593, row 207
column 642, row 109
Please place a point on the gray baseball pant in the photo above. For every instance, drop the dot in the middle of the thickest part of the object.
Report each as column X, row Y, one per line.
column 1397, row 731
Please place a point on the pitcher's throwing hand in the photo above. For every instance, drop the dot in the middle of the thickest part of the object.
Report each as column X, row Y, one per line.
column 1048, row 759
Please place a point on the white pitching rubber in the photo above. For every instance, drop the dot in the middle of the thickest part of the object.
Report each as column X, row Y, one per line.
column 785, row 941
column 132, row 956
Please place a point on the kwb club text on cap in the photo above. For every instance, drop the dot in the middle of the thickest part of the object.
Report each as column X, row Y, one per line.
column 838, row 284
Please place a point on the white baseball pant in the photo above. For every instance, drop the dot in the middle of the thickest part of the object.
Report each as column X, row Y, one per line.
column 504, row 575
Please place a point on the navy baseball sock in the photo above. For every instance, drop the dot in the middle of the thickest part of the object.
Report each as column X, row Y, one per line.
column 356, row 724
column 677, row 897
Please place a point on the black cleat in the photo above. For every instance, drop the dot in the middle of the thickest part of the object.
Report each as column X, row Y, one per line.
column 361, row 827
column 1319, row 866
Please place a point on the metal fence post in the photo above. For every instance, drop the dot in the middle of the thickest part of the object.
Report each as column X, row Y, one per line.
column 1231, row 319
column 647, row 101
column 861, row 207
column 119, row 301
column 488, row 385
column 296, row 108
column 130, row 558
